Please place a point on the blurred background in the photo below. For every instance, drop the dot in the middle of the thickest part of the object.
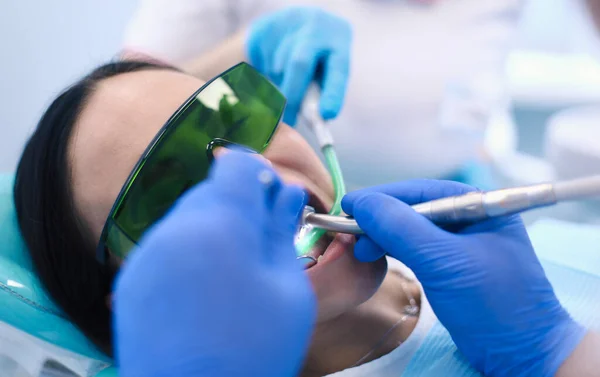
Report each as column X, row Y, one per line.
column 553, row 76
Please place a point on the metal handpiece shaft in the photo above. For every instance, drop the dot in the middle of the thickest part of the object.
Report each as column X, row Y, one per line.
column 468, row 208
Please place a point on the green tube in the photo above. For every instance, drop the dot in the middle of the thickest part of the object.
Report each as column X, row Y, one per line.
column 309, row 240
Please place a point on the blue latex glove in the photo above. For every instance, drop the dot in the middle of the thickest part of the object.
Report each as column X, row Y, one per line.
column 484, row 282
column 289, row 45
column 214, row 289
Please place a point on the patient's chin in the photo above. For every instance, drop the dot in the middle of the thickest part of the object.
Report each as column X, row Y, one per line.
column 346, row 283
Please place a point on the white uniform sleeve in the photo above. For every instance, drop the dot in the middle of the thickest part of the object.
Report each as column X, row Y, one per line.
column 177, row 30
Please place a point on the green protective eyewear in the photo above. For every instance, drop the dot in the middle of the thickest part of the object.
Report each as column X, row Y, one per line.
column 238, row 107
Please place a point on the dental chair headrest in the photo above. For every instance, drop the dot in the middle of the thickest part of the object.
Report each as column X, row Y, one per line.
column 23, row 301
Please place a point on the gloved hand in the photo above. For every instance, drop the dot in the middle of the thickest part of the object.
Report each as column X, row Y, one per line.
column 484, row 282
column 214, row 288
column 289, row 45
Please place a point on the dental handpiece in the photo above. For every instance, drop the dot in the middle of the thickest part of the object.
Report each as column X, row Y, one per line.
column 475, row 206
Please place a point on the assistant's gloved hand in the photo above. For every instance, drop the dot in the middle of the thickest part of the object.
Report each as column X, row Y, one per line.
column 484, row 282
column 214, row 288
column 288, row 46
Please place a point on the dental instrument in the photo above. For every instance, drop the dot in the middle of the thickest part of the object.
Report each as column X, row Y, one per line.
column 307, row 236
column 475, row 206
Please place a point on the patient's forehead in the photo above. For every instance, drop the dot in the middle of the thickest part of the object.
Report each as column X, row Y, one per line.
column 116, row 125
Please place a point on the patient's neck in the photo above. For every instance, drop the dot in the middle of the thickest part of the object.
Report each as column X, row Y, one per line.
column 340, row 343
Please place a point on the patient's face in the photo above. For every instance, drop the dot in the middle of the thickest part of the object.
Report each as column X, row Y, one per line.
column 122, row 117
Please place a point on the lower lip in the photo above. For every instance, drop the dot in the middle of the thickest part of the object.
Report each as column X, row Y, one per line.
column 338, row 247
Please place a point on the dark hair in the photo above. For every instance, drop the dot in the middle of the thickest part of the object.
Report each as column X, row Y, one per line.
column 62, row 248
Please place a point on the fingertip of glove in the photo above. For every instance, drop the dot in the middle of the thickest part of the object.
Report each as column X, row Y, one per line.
column 298, row 197
column 329, row 111
column 349, row 200
column 367, row 251
column 290, row 206
column 332, row 97
column 353, row 200
column 348, row 203
column 360, row 200
column 289, row 117
column 365, row 257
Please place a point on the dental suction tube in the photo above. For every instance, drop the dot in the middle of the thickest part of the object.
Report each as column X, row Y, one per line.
column 477, row 206
column 308, row 236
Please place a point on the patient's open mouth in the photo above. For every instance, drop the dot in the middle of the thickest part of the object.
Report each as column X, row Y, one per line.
column 317, row 203
column 320, row 247
column 326, row 248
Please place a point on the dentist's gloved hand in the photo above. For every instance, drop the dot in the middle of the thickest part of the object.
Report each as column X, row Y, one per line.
column 214, row 289
column 484, row 282
column 289, row 45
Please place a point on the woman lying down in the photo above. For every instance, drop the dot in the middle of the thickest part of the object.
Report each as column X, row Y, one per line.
column 128, row 139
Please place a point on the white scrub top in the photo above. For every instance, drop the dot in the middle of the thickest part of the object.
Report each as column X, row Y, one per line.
column 405, row 57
